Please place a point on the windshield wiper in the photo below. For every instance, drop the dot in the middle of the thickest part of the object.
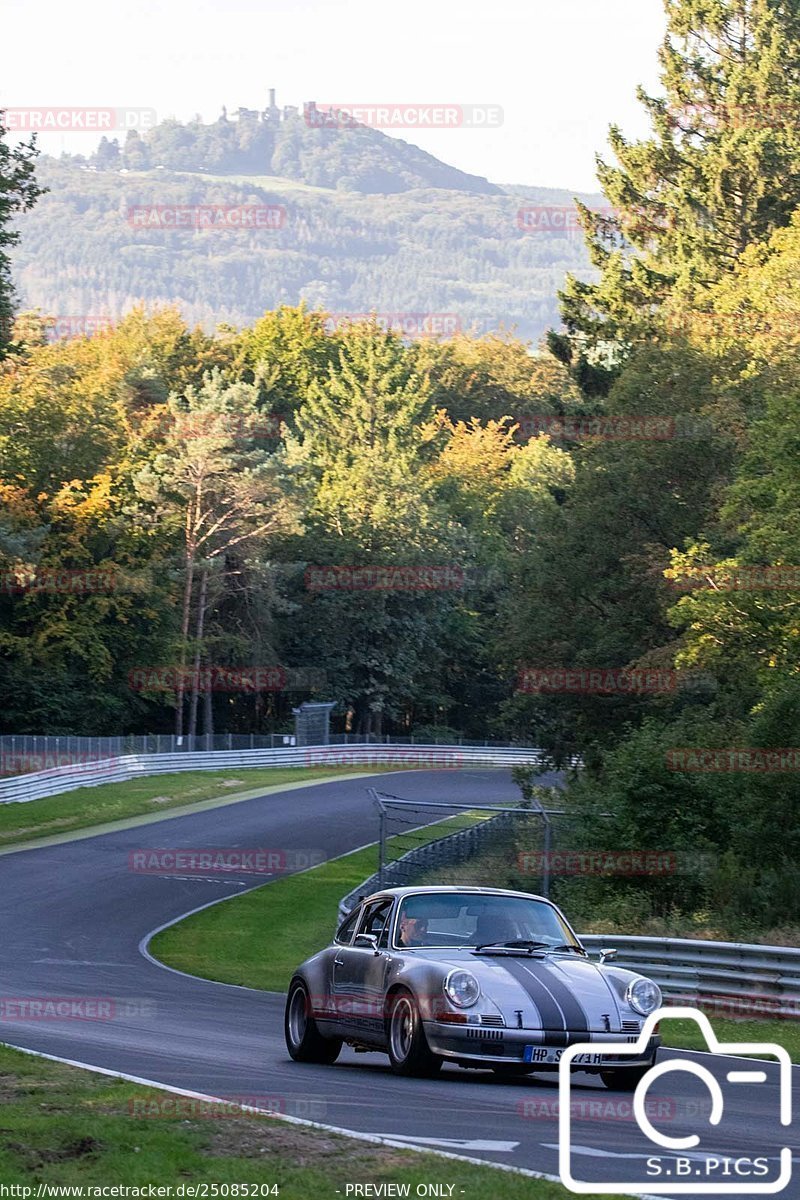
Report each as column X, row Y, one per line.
column 518, row 945
column 574, row 949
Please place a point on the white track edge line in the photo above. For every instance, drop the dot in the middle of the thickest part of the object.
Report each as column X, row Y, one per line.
column 144, row 944
column 373, row 1138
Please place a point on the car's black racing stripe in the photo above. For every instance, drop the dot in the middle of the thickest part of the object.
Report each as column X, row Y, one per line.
column 568, row 1002
column 553, row 1019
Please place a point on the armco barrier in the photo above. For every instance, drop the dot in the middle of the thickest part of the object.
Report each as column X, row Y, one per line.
column 37, row 785
column 20, row 752
column 729, row 978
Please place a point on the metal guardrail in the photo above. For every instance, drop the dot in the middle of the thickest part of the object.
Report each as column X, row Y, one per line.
column 728, row 978
column 26, row 752
column 37, row 785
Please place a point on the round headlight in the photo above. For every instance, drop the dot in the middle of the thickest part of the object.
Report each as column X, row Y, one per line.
column 643, row 996
column 462, row 988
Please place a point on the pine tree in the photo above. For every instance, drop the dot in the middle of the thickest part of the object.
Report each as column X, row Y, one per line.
column 720, row 172
column 18, row 192
column 357, row 442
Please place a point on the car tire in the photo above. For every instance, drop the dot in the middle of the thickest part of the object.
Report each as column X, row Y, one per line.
column 624, row 1079
column 304, row 1041
column 409, row 1053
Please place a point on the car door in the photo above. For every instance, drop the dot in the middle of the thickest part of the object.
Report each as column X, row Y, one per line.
column 359, row 976
column 332, row 1020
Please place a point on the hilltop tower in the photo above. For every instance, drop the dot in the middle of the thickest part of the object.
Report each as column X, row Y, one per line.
column 272, row 114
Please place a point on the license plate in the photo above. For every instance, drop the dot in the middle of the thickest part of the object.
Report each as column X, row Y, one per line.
column 548, row 1054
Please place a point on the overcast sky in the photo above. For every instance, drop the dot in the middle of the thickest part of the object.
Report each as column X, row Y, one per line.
column 561, row 70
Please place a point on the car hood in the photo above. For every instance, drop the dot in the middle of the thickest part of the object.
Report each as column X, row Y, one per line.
column 550, row 991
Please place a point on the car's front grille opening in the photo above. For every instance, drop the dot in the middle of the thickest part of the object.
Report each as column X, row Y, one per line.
column 494, row 1022
column 631, row 1026
column 488, row 1035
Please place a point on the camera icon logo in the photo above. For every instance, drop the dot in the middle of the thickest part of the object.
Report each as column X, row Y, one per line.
column 680, row 1168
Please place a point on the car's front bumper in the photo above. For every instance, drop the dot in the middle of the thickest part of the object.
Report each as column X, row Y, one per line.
column 484, row 1045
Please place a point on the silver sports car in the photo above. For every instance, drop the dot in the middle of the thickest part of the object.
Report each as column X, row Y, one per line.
column 479, row 977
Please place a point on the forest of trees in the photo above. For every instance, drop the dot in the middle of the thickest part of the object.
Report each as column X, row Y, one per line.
column 354, row 159
column 381, row 227
column 626, row 499
column 428, row 250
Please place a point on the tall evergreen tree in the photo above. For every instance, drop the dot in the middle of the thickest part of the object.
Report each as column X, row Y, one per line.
column 358, row 435
column 18, row 191
column 720, row 172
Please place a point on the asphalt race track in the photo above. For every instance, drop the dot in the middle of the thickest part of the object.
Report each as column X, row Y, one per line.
column 72, row 917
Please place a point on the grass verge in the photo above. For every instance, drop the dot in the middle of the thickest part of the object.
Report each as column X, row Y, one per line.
column 154, row 794
column 259, row 938
column 685, row 1035
column 67, row 1127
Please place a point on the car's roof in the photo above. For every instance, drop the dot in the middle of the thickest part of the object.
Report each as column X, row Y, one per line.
column 451, row 889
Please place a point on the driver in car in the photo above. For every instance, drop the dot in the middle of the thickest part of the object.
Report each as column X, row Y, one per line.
column 413, row 930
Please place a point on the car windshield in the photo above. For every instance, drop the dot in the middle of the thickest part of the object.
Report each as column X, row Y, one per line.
column 465, row 919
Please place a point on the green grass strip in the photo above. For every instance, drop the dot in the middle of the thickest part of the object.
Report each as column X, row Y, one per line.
column 686, row 1035
column 72, row 1128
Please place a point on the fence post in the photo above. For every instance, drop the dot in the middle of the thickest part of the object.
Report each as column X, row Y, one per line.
column 546, row 868
column 381, row 847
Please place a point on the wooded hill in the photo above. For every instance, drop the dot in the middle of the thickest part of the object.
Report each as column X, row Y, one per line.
column 370, row 223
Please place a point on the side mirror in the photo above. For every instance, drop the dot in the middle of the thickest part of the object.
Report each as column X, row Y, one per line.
column 367, row 941
column 607, row 956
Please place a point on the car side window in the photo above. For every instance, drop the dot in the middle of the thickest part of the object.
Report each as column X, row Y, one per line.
column 344, row 933
column 375, row 920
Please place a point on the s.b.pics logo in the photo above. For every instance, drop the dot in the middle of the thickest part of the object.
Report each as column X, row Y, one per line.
column 699, row 1159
